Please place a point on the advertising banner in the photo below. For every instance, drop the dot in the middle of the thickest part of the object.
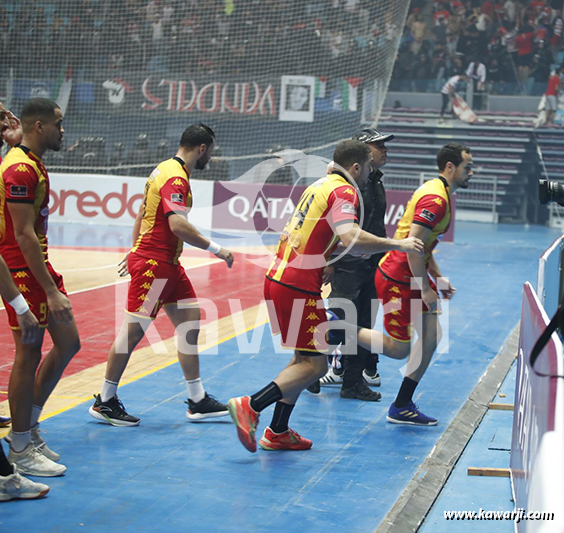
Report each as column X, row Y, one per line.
column 164, row 94
column 537, row 447
column 256, row 207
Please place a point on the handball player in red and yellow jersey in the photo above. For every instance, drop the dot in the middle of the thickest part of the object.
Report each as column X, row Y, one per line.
column 404, row 278
column 325, row 214
column 24, row 212
column 159, row 280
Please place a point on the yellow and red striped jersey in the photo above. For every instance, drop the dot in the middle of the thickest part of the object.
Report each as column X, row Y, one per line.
column 23, row 179
column 429, row 207
column 310, row 235
column 167, row 192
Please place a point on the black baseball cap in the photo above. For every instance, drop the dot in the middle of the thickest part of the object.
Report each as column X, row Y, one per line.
column 370, row 135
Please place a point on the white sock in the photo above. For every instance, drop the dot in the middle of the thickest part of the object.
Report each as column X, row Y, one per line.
column 196, row 390
column 35, row 414
column 20, row 441
column 109, row 390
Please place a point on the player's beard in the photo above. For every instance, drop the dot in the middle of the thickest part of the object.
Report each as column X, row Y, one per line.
column 201, row 163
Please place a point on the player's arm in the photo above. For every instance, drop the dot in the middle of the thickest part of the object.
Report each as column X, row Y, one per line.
column 419, row 269
column 444, row 285
column 361, row 241
column 122, row 265
column 23, row 218
column 190, row 235
column 26, row 319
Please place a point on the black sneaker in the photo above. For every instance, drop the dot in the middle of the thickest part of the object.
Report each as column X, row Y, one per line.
column 360, row 391
column 112, row 412
column 315, row 387
column 209, row 407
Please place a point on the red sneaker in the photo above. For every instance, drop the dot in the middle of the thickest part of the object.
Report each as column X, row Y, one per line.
column 246, row 420
column 289, row 440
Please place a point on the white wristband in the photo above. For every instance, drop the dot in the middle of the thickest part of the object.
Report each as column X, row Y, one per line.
column 214, row 248
column 19, row 304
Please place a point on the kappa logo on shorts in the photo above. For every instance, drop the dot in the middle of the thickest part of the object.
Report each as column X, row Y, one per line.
column 149, row 274
column 395, row 312
column 394, row 322
column 151, row 262
column 23, row 288
column 349, row 209
column 427, row 215
column 311, row 303
column 312, row 316
column 21, row 274
column 177, row 198
column 395, row 300
column 19, row 191
column 313, row 342
column 141, row 309
column 313, row 329
column 395, row 288
column 144, row 297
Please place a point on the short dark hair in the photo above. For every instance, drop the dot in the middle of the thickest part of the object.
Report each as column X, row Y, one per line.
column 451, row 152
column 38, row 109
column 350, row 152
column 197, row 134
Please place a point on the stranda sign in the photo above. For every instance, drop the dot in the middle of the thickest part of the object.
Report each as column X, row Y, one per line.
column 159, row 94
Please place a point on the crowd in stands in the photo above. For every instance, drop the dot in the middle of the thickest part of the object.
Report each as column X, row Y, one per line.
column 217, row 37
column 518, row 41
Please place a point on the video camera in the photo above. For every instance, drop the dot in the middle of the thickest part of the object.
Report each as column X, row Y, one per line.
column 551, row 191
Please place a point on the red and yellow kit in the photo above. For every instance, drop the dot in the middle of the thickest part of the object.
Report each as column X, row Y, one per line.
column 24, row 179
column 306, row 244
column 429, row 207
column 155, row 254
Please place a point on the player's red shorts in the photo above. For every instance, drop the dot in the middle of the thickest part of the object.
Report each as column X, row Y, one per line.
column 34, row 294
column 398, row 321
column 298, row 332
column 155, row 284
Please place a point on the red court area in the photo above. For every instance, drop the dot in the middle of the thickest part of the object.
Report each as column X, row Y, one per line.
column 95, row 313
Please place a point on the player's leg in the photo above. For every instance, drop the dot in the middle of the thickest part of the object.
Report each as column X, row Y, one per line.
column 107, row 407
column 304, row 368
column 186, row 320
column 23, row 452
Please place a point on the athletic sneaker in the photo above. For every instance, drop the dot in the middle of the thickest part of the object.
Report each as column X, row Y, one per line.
column 409, row 414
column 5, row 421
column 17, row 487
column 289, row 440
column 372, row 379
column 208, row 407
column 246, row 419
column 39, row 443
column 360, row 391
column 315, row 387
column 112, row 412
column 333, row 377
column 32, row 462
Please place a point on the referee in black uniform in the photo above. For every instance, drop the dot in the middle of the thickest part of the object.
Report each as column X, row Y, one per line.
column 353, row 277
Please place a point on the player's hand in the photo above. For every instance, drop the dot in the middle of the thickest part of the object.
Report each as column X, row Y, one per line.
column 60, row 307
column 227, row 256
column 29, row 327
column 122, row 266
column 328, row 275
column 411, row 244
column 13, row 133
column 330, row 167
column 431, row 299
column 446, row 288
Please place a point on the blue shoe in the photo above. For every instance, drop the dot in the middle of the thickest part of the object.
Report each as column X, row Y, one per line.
column 410, row 415
column 4, row 421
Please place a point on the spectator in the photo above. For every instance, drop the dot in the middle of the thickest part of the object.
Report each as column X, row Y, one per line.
column 448, row 90
column 541, row 67
column 524, row 42
column 476, row 75
column 551, row 95
column 422, row 73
